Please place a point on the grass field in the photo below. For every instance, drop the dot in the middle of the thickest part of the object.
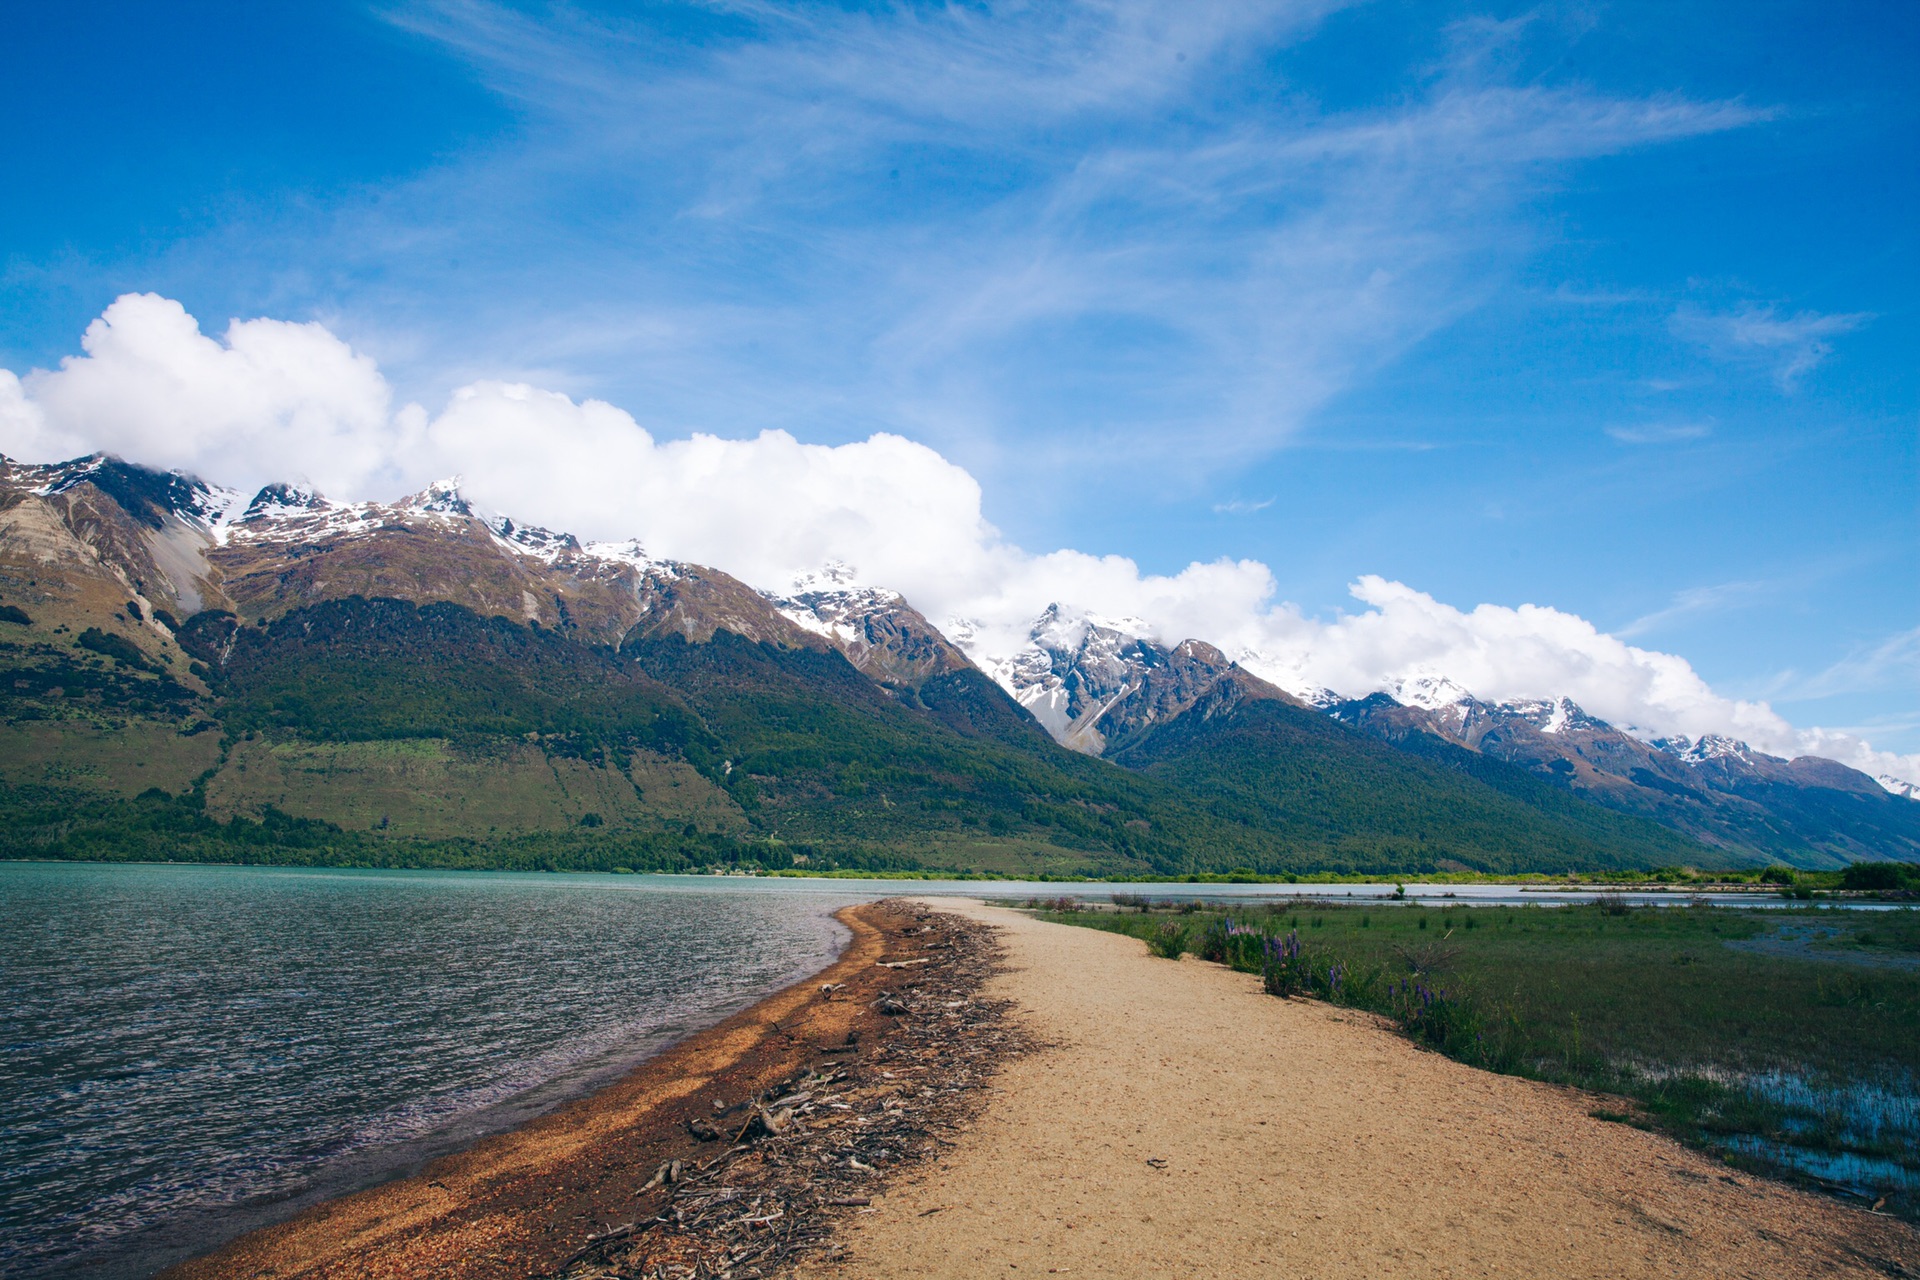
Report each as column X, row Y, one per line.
column 425, row 787
column 125, row 758
column 1787, row 1040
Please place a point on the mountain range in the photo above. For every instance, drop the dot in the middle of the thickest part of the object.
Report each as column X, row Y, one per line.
column 202, row 673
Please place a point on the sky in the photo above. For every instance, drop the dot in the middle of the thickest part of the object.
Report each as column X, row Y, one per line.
column 1557, row 348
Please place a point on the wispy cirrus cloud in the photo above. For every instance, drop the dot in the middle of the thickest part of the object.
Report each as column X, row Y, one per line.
column 1661, row 432
column 1241, row 507
column 1890, row 662
column 1086, row 235
column 1695, row 602
column 1788, row 346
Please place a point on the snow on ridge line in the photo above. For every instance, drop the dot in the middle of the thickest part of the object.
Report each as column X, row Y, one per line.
column 442, row 502
column 1899, row 786
column 830, row 601
column 1062, row 644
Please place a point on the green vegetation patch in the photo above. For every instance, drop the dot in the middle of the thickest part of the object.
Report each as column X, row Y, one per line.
column 1362, row 805
column 96, row 682
column 61, row 824
column 430, row 787
column 127, row 758
column 360, row 670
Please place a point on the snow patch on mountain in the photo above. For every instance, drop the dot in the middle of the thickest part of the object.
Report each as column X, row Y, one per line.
column 531, row 540
column 1706, row 748
column 1899, row 786
column 632, row 554
column 1430, row 691
column 294, row 512
column 831, row 602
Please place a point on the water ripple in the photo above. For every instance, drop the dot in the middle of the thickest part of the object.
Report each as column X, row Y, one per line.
column 179, row 1041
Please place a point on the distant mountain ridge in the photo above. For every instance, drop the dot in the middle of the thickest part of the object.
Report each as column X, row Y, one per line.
column 1102, row 686
column 203, row 604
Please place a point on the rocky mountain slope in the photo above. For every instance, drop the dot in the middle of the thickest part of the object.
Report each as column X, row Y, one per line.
column 1105, row 687
column 1718, row 790
column 278, row 671
column 429, row 670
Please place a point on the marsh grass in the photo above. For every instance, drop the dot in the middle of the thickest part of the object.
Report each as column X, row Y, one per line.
column 1803, row 1064
column 1169, row 941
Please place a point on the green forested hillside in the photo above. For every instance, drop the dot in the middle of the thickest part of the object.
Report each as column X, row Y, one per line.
column 1315, row 782
column 379, row 732
column 357, row 670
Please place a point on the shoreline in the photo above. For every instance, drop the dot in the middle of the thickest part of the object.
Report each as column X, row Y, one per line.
column 1578, row 882
column 324, row 1233
column 532, row 1200
column 1173, row 1120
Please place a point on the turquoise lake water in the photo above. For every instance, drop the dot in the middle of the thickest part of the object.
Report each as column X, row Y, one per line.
column 186, row 1052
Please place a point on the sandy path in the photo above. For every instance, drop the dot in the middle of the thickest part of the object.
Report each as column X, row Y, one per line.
column 1300, row 1140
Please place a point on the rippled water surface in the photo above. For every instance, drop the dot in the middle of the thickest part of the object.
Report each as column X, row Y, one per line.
column 187, row 1051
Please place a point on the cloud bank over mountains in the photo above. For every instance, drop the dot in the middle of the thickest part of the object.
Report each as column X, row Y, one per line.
column 271, row 400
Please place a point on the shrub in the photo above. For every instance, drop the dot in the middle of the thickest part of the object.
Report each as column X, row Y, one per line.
column 1169, row 941
column 1284, row 971
column 119, row 648
column 1429, row 1015
column 1879, row 876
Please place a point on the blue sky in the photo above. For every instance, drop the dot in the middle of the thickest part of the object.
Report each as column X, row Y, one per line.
column 1603, row 307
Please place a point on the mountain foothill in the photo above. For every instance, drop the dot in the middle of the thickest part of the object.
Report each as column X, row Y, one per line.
column 193, row 673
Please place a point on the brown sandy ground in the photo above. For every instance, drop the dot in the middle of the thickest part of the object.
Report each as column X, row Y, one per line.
column 524, row 1203
column 1183, row 1123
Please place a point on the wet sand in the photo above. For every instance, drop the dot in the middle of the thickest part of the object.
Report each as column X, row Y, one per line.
column 1183, row 1123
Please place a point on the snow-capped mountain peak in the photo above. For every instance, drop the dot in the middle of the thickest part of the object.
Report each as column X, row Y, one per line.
column 876, row 629
column 284, row 501
column 1552, row 715
column 1899, row 786
column 1429, row 691
column 1707, row 747
column 441, row 498
column 531, row 540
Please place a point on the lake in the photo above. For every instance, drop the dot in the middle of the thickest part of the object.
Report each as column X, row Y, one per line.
column 191, row 1051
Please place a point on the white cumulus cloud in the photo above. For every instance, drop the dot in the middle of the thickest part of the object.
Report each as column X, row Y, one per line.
column 272, row 400
column 266, row 400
